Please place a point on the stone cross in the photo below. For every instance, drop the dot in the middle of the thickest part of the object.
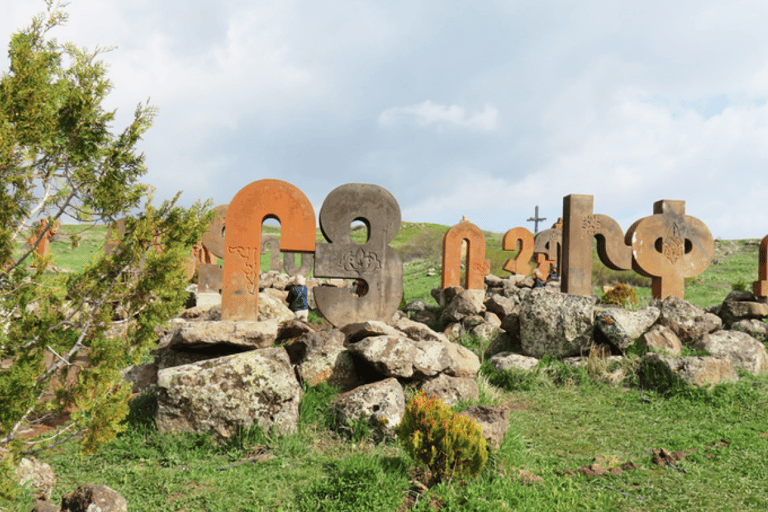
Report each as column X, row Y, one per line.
column 536, row 219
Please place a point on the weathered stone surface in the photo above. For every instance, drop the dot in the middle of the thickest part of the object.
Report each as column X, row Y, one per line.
column 494, row 281
column 662, row 339
column 292, row 329
column 167, row 357
column 504, row 361
column 274, row 279
column 242, row 255
column 755, row 328
column 321, row 357
column 732, row 311
column 223, row 394
column 357, row 331
column 469, row 322
column 511, row 323
column 477, row 265
column 623, row 327
column 415, row 305
column 739, row 348
column 555, row 324
column 38, row 475
column 453, row 330
column 580, row 226
column 398, row 356
column 195, row 335
column 141, row 377
column 425, row 317
column 492, row 318
column 503, row 342
column 381, row 403
column 493, row 422
column 45, row 506
column 687, row 321
column 486, row 331
column 444, row 296
column 93, row 498
column 272, row 308
column 451, row 389
column 659, row 370
column 669, row 246
column 374, row 264
column 501, row 305
column 464, row 304
column 419, row 331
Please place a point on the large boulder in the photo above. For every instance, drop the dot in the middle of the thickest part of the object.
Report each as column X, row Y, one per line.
column 225, row 394
column 622, row 327
column 687, row 321
column 739, row 348
column 381, row 403
column 556, row 324
column 398, row 356
column 734, row 310
column 755, row 328
column 464, row 304
column 244, row 335
column 39, row 475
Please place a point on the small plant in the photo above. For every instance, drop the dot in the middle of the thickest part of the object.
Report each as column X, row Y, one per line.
column 740, row 285
column 451, row 445
column 622, row 295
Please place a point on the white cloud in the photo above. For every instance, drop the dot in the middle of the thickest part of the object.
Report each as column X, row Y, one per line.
column 428, row 113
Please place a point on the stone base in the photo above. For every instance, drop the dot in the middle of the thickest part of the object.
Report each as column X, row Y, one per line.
column 208, row 299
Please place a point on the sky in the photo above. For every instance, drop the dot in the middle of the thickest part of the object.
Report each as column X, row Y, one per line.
column 485, row 108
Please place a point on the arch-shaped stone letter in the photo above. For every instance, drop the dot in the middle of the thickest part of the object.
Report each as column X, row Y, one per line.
column 523, row 238
column 760, row 287
column 272, row 245
column 669, row 246
column 374, row 261
column 580, row 225
column 477, row 266
column 548, row 249
column 242, row 255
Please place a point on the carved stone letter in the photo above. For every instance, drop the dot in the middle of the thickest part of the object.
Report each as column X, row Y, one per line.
column 242, row 257
column 522, row 238
column 760, row 287
column 272, row 245
column 670, row 246
column 374, row 261
column 580, row 225
column 477, row 266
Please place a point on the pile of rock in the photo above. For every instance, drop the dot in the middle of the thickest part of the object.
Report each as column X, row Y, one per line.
column 529, row 323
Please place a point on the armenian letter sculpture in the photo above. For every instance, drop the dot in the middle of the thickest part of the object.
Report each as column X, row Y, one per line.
column 477, row 266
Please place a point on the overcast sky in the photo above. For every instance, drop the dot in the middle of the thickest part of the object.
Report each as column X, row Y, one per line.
column 484, row 108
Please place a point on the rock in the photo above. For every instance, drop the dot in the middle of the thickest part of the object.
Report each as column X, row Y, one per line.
column 39, row 475
column 271, row 308
column 415, row 305
column 622, row 327
column 227, row 393
column 276, row 293
column 451, row 389
column 419, row 331
column 502, row 343
column 592, row 470
column 463, row 304
column 662, row 339
column 453, row 331
column 45, row 506
column 93, row 498
column 425, row 317
column 321, row 357
column 357, row 331
column 292, row 329
column 471, row 321
column 555, row 324
column 493, row 422
column 511, row 323
column 380, row 403
column 196, row 335
column 755, row 328
column 485, row 331
column 501, row 305
column 739, row 348
column 505, row 361
column 493, row 281
column 687, row 321
column 663, row 372
column 732, row 311
column 492, row 318
column 444, row 296
column 398, row 356
column 141, row 377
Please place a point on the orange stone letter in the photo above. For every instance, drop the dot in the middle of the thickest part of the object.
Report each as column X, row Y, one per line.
column 242, row 256
column 477, row 265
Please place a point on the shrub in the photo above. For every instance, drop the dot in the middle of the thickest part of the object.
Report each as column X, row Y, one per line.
column 621, row 295
column 451, row 445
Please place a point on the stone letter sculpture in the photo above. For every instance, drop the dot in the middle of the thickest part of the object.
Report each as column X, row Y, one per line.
column 523, row 239
column 670, row 246
column 374, row 262
column 242, row 256
column 209, row 275
column 271, row 245
column 477, row 266
column 548, row 249
column 760, row 287
column 580, row 225
column 43, row 235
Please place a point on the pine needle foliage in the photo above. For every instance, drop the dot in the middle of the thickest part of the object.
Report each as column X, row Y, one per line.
column 59, row 160
column 451, row 445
